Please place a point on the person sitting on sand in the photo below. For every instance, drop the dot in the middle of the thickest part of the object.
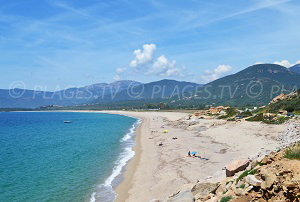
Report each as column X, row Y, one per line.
column 189, row 154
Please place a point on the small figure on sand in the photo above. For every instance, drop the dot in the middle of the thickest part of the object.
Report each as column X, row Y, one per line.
column 189, row 154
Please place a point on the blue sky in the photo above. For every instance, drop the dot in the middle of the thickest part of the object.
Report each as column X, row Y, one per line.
column 76, row 43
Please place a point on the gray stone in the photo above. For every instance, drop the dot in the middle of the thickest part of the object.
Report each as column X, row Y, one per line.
column 205, row 188
column 251, row 179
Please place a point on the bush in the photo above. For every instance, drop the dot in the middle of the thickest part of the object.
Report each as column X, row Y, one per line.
column 226, row 198
column 293, row 152
column 231, row 112
column 257, row 117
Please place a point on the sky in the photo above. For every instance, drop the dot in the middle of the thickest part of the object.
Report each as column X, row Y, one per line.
column 53, row 44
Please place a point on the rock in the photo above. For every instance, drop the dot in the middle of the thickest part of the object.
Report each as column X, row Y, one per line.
column 155, row 200
column 205, row 188
column 251, row 179
column 236, row 166
column 242, row 199
column 213, row 199
column 203, row 197
column 182, row 196
column 248, row 189
column 221, row 190
column 270, row 178
column 266, row 160
column 193, row 123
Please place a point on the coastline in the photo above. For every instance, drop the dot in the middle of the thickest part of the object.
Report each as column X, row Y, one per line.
column 160, row 171
column 123, row 188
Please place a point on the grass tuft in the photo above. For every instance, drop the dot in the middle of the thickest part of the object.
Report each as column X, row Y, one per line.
column 244, row 174
column 293, row 152
column 226, row 198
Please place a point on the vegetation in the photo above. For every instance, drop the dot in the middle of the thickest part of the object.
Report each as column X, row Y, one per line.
column 226, row 198
column 257, row 117
column 259, row 163
column 243, row 186
column 245, row 114
column 293, row 152
column 271, row 119
column 292, row 104
column 244, row 174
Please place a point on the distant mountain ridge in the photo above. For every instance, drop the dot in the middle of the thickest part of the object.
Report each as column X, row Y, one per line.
column 72, row 96
column 296, row 68
column 163, row 89
column 255, row 85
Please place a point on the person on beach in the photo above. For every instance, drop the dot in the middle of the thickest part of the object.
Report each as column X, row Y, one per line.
column 189, row 154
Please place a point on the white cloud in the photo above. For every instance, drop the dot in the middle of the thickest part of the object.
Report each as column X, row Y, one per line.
column 220, row 71
column 143, row 57
column 163, row 67
column 117, row 77
column 284, row 63
column 120, row 70
column 144, row 62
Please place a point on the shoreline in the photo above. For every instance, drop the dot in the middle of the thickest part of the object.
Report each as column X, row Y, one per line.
column 129, row 169
column 156, row 172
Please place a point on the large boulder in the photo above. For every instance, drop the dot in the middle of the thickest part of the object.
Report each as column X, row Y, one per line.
column 205, row 188
column 236, row 166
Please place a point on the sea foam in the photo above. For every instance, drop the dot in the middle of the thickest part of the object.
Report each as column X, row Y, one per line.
column 105, row 191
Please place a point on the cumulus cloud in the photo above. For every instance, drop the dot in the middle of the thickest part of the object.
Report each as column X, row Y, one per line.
column 284, row 63
column 143, row 57
column 120, row 70
column 220, row 71
column 145, row 62
column 117, row 77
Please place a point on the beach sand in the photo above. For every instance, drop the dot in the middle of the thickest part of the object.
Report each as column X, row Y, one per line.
column 159, row 171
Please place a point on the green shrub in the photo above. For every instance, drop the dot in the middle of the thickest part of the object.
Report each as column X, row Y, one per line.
column 243, row 186
column 259, row 163
column 244, row 174
column 257, row 117
column 293, row 152
column 226, row 198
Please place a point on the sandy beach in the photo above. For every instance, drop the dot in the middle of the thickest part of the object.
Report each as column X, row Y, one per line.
column 159, row 171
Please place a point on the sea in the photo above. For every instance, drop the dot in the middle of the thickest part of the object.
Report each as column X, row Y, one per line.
column 44, row 159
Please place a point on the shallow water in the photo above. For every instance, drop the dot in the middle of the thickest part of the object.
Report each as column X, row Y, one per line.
column 44, row 159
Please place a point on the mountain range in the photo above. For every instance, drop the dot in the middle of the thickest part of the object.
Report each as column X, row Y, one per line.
column 255, row 85
column 296, row 68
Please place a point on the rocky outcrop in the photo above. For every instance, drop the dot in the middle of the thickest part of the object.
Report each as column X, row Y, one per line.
column 236, row 166
column 272, row 178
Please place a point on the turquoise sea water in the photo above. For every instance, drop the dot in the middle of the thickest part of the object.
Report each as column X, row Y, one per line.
column 44, row 159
